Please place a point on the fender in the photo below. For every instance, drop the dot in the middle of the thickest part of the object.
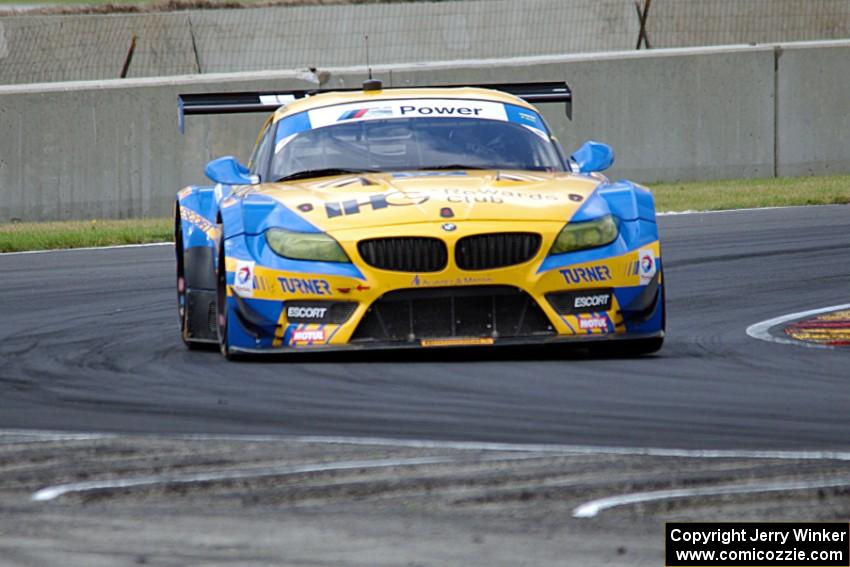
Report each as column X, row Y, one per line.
column 624, row 199
column 632, row 204
column 196, row 235
column 629, row 201
column 198, row 210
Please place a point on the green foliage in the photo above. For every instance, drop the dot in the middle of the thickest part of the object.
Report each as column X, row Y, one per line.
column 752, row 193
column 16, row 237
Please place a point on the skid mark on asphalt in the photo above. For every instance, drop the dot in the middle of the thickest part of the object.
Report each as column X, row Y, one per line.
column 27, row 435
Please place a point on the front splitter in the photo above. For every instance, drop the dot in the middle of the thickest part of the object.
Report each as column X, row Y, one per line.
column 506, row 342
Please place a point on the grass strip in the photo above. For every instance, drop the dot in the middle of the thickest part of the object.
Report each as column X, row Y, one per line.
column 669, row 197
column 751, row 193
column 17, row 237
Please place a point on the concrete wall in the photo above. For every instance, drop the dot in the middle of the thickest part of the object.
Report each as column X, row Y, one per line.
column 691, row 23
column 669, row 114
column 82, row 47
column 813, row 113
column 37, row 49
column 79, row 47
column 325, row 36
column 111, row 149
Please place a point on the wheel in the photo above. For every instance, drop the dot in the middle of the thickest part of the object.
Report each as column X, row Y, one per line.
column 182, row 300
column 638, row 347
column 222, row 312
column 194, row 304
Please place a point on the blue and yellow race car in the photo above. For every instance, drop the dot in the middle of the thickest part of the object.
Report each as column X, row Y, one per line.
column 414, row 217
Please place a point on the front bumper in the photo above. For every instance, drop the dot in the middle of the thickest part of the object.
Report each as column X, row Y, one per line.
column 259, row 307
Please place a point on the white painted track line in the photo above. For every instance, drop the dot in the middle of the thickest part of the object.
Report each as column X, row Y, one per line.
column 89, row 249
column 592, row 508
column 750, row 209
column 51, row 492
column 761, row 330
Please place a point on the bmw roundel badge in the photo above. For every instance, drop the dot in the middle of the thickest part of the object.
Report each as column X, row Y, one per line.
column 449, row 226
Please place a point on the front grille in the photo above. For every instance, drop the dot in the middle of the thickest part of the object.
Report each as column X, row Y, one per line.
column 404, row 254
column 489, row 251
column 476, row 311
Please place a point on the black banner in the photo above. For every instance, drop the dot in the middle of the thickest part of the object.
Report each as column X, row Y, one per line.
column 757, row 544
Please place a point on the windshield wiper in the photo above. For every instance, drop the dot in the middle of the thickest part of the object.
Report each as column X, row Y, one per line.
column 324, row 172
column 452, row 166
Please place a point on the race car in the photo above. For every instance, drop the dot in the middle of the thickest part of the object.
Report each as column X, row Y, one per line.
column 384, row 218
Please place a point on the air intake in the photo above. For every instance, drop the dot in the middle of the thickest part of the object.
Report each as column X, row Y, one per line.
column 405, row 254
column 489, row 251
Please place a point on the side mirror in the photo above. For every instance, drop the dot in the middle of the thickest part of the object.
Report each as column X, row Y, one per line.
column 228, row 171
column 593, row 156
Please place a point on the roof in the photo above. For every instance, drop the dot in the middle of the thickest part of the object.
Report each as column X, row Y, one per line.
column 345, row 97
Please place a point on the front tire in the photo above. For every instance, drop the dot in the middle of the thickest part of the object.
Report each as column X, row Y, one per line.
column 195, row 321
column 222, row 312
column 639, row 347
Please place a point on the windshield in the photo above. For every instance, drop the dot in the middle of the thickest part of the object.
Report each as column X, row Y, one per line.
column 412, row 135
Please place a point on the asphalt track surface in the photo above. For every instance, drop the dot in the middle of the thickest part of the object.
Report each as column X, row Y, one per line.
column 89, row 342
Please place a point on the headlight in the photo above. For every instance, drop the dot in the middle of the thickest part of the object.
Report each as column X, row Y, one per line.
column 305, row 245
column 588, row 234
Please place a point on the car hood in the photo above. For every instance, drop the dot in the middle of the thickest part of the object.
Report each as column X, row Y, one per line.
column 369, row 200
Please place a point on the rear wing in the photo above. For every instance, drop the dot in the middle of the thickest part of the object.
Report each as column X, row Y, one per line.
column 269, row 101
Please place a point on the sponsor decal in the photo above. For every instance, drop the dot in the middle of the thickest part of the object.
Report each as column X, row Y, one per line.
column 305, row 286
column 413, row 108
column 440, row 110
column 308, row 336
column 527, row 118
column 459, row 341
column 646, row 265
column 375, row 112
column 376, row 202
column 587, row 301
column 447, row 212
column 243, row 278
column 591, row 274
column 495, row 196
column 593, row 323
column 419, row 281
column 576, row 198
column 599, row 300
column 292, row 125
column 304, row 312
column 201, row 222
column 305, row 207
